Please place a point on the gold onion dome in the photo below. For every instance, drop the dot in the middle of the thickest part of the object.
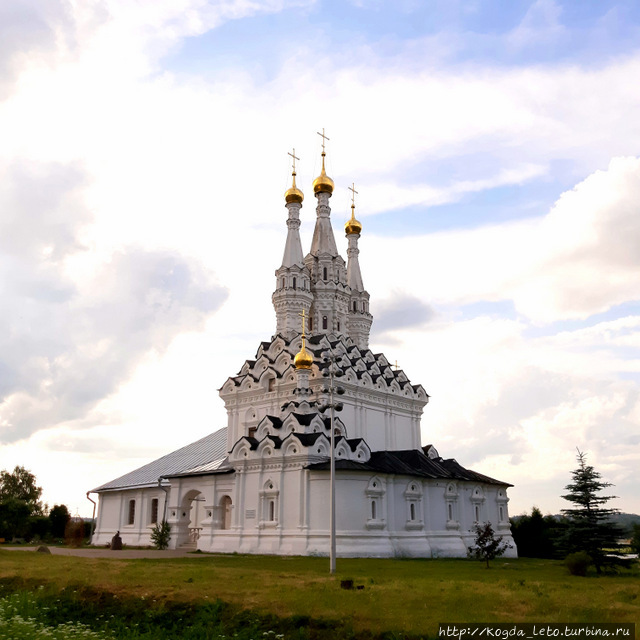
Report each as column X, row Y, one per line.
column 293, row 194
column 303, row 359
column 353, row 226
column 323, row 182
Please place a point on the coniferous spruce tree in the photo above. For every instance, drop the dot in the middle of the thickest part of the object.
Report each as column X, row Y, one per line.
column 589, row 522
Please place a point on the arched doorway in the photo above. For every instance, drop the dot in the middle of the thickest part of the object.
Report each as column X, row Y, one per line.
column 191, row 515
column 225, row 512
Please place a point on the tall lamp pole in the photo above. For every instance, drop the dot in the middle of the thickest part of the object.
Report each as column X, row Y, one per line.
column 332, row 371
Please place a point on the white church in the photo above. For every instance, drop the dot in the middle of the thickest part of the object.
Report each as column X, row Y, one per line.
column 262, row 483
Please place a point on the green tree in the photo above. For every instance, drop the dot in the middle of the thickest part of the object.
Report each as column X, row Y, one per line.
column 19, row 501
column 486, row 545
column 161, row 534
column 534, row 535
column 20, row 484
column 14, row 518
column 635, row 539
column 59, row 516
column 589, row 526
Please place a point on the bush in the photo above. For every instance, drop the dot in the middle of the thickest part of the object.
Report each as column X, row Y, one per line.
column 74, row 533
column 161, row 534
column 578, row 563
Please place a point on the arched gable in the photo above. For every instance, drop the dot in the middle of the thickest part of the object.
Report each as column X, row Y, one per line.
column 267, row 449
column 342, row 450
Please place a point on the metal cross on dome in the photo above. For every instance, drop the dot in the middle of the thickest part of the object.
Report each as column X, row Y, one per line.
column 303, row 317
column 353, row 194
column 293, row 155
column 323, row 138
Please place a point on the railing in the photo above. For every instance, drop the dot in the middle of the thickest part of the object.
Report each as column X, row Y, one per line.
column 194, row 534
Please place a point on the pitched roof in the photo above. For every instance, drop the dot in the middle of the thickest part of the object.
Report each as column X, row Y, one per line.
column 210, row 451
column 411, row 463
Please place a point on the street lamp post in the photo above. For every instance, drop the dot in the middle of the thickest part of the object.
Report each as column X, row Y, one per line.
column 331, row 371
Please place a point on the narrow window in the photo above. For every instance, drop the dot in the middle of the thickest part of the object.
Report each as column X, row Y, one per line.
column 324, row 322
column 225, row 507
column 450, row 512
column 373, row 509
column 132, row 511
column 310, row 323
column 252, row 432
column 338, row 325
column 501, row 514
column 272, row 384
column 324, row 273
column 477, row 513
column 154, row 511
column 294, row 283
column 412, row 511
column 272, row 510
column 355, row 305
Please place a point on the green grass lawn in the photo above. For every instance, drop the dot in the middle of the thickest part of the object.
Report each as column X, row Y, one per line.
column 409, row 596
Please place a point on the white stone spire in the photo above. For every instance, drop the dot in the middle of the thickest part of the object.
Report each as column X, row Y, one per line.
column 293, row 247
column 327, row 268
column 293, row 283
column 359, row 319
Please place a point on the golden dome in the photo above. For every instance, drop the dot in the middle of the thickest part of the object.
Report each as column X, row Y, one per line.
column 353, row 226
column 303, row 359
column 293, row 194
column 323, row 182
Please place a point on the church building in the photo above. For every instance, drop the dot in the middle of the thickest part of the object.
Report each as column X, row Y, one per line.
column 262, row 483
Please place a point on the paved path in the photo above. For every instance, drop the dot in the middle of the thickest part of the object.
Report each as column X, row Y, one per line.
column 126, row 554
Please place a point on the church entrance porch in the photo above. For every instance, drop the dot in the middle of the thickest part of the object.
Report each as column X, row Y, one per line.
column 186, row 520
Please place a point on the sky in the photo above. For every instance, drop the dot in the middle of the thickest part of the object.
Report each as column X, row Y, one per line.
column 495, row 148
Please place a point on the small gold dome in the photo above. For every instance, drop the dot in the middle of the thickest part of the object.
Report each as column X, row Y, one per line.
column 293, row 194
column 323, row 182
column 303, row 359
column 352, row 226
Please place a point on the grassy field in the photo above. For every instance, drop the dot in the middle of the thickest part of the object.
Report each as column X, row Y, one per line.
column 404, row 596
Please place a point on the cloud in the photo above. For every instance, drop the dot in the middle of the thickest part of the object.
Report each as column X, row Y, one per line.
column 399, row 312
column 68, row 339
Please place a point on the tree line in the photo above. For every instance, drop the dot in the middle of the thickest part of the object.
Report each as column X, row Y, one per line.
column 584, row 534
column 23, row 517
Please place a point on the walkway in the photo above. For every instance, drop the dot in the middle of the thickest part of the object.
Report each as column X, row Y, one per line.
column 125, row 554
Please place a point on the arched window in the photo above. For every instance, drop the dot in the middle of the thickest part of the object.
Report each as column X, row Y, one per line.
column 450, row 511
column 355, row 305
column 373, row 509
column 154, row 511
column 501, row 514
column 272, row 510
column 132, row 512
column 324, row 273
column 294, row 282
column 325, row 322
column 310, row 323
column 477, row 513
column 412, row 511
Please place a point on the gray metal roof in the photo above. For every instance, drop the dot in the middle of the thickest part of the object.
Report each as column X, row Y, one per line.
column 210, row 450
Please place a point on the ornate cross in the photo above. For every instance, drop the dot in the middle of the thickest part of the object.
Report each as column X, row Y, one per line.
column 323, row 138
column 353, row 194
column 303, row 317
column 293, row 155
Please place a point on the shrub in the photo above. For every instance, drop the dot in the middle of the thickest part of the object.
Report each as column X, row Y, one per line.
column 578, row 563
column 74, row 532
column 161, row 534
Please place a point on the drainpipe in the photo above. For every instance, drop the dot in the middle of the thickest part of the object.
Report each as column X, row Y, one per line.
column 93, row 517
column 166, row 493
